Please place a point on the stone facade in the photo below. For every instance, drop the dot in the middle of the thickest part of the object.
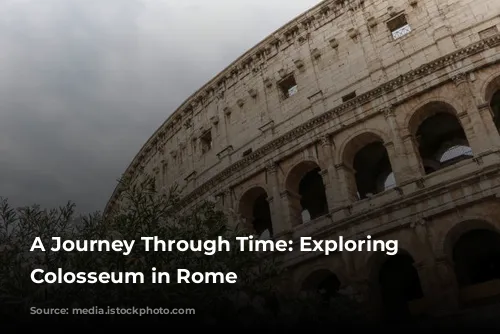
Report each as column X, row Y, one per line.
column 357, row 118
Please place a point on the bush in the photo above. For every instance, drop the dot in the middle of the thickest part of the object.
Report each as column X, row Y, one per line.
column 255, row 299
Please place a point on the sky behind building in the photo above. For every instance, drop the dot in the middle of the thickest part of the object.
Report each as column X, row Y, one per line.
column 84, row 83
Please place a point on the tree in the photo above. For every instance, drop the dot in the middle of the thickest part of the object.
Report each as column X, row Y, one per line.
column 145, row 212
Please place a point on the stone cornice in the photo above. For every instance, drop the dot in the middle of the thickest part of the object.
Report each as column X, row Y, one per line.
column 355, row 220
column 423, row 71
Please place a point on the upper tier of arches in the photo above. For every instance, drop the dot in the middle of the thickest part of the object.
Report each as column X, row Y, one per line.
column 247, row 106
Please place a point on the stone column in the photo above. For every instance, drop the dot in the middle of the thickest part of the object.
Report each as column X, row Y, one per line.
column 292, row 210
column 368, row 297
column 280, row 221
column 232, row 216
column 404, row 158
column 333, row 188
column 414, row 160
column 436, row 277
column 447, row 291
column 347, row 184
column 471, row 120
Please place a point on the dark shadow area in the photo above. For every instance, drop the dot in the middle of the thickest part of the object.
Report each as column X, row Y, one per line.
column 324, row 283
column 477, row 257
column 313, row 195
column 262, row 216
column 306, row 193
column 495, row 108
column 399, row 285
column 373, row 170
column 441, row 139
column 255, row 210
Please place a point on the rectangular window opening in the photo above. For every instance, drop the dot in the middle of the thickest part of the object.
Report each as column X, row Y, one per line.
column 288, row 86
column 247, row 152
column 348, row 97
column 206, row 142
column 399, row 26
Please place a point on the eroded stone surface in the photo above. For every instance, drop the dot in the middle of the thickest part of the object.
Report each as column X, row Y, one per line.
column 334, row 97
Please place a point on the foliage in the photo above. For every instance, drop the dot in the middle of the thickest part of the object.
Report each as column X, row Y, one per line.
column 145, row 213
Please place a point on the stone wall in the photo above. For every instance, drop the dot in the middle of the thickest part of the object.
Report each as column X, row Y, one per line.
column 336, row 125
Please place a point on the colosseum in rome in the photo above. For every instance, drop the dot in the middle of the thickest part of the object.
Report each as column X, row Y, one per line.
column 357, row 118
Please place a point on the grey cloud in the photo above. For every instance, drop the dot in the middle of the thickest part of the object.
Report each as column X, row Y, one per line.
column 84, row 83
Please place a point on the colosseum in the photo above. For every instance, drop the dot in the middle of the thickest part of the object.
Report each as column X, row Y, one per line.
column 359, row 117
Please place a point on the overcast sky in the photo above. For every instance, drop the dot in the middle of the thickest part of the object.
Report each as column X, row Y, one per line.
column 84, row 83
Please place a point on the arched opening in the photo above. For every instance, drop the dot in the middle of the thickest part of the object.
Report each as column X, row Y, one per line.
column 399, row 286
column 323, row 283
column 306, row 193
column 476, row 256
column 371, row 167
column 373, row 170
column 254, row 209
column 495, row 108
column 312, row 194
column 440, row 137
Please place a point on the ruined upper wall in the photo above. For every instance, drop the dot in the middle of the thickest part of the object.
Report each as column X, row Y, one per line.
column 337, row 53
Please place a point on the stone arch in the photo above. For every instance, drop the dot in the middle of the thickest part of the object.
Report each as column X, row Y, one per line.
column 368, row 163
column 254, row 209
column 490, row 86
column 445, row 244
column 342, row 152
column 417, row 113
column 395, row 283
column 439, row 135
column 474, row 248
column 305, row 191
column 322, row 281
column 491, row 91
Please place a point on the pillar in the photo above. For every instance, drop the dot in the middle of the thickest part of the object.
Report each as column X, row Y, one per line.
column 447, row 286
column 281, row 224
column 228, row 204
column 471, row 120
column 347, row 184
column 402, row 153
column 292, row 209
column 333, row 188
column 411, row 146
column 436, row 276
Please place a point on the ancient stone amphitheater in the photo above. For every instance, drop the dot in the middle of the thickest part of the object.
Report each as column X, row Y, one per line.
column 357, row 118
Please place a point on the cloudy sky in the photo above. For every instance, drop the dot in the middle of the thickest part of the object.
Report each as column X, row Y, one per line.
column 84, row 83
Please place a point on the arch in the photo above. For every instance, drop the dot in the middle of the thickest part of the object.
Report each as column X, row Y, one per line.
column 306, row 191
column 323, row 282
column 440, row 136
column 254, row 209
column 421, row 111
column 490, row 86
column 371, row 167
column 473, row 246
column 357, row 140
column 375, row 260
column 398, row 284
column 374, row 264
column 476, row 257
column 495, row 108
column 492, row 96
column 297, row 172
column 445, row 246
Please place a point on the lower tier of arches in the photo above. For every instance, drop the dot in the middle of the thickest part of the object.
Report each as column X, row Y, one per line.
column 452, row 266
